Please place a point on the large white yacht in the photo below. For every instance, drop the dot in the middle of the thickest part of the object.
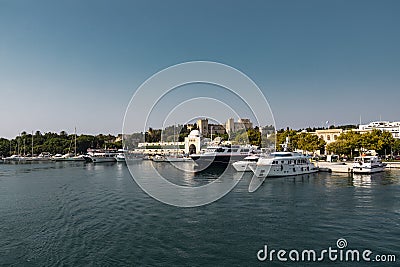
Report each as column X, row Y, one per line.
column 368, row 164
column 283, row 164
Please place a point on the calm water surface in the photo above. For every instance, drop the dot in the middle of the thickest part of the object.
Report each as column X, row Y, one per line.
column 75, row 214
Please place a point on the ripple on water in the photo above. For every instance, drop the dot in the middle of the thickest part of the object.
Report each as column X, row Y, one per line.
column 97, row 215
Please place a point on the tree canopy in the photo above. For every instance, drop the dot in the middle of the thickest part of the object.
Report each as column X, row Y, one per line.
column 55, row 143
column 351, row 142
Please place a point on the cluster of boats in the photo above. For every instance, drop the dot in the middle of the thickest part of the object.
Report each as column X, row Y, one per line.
column 242, row 158
column 93, row 155
column 245, row 158
column 276, row 164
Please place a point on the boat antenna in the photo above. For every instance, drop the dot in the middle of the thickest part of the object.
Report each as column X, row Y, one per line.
column 75, row 141
column 32, row 144
column 286, row 145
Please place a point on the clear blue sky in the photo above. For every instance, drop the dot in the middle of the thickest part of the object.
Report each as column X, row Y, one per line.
column 77, row 63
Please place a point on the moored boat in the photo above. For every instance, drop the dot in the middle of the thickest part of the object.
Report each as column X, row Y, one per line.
column 244, row 165
column 69, row 157
column 15, row 158
column 283, row 164
column 220, row 156
column 368, row 164
column 100, row 155
column 158, row 158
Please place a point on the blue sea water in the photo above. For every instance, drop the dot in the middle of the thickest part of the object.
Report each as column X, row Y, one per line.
column 76, row 214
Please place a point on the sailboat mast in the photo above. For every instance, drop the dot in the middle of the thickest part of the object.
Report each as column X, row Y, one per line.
column 75, row 141
column 32, row 145
column 176, row 149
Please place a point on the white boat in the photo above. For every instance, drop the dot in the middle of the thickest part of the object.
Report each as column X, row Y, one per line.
column 120, row 157
column 283, row 164
column 100, row 155
column 368, row 164
column 69, row 156
column 158, row 158
column 244, row 165
column 15, row 158
column 44, row 156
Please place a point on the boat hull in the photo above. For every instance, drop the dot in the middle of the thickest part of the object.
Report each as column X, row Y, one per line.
column 283, row 170
column 243, row 166
column 77, row 159
column 99, row 159
column 174, row 159
column 204, row 162
column 367, row 170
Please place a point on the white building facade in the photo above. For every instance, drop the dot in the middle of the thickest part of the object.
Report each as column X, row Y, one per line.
column 392, row 127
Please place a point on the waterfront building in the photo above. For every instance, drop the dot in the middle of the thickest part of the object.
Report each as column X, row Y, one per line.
column 207, row 128
column 161, row 148
column 329, row 135
column 231, row 126
column 392, row 127
column 216, row 129
column 267, row 130
column 202, row 125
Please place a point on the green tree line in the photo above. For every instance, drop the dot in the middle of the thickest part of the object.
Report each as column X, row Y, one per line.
column 55, row 143
column 351, row 143
column 299, row 140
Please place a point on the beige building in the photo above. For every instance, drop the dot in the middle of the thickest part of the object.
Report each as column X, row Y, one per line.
column 232, row 126
column 202, row 125
column 329, row 135
column 206, row 128
column 216, row 129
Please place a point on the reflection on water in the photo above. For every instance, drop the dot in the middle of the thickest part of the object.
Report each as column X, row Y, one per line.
column 387, row 177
